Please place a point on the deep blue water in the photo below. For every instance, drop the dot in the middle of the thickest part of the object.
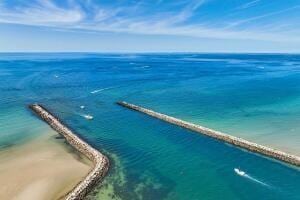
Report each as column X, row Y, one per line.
column 253, row 96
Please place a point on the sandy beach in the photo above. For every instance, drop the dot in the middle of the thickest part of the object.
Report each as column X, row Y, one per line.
column 43, row 168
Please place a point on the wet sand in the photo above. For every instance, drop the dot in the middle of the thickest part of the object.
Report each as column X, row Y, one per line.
column 43, row 168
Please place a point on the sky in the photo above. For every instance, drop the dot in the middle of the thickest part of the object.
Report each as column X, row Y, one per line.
column 269, row 26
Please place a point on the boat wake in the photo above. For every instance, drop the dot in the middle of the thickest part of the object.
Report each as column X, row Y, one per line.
column 245, row 175
column 100, row 90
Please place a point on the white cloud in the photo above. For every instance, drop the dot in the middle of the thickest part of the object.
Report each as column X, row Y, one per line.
column 249, row 4
column 243, row 21
column 44, row 12
column 73, row 17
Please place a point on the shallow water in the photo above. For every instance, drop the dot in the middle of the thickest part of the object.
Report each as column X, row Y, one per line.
column 256, row 97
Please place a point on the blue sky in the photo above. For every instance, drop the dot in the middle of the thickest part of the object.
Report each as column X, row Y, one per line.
column 150, row 25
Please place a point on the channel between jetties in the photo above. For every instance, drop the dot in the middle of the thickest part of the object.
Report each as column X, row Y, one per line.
column 100, row 162
column 236, row 141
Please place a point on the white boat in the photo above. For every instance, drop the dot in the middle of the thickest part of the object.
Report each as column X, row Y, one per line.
column 89, row 117
column 239, row 172
column 82, row 107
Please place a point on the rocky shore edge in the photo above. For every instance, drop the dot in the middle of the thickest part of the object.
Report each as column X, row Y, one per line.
column 239, row 142
column 100, row 162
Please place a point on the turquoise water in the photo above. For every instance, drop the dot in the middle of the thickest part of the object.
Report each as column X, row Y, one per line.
column 253, row 96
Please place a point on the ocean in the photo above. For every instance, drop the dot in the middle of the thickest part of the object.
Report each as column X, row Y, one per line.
column 253, row 96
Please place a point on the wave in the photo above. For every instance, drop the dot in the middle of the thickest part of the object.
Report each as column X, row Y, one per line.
column 215, row 60
column 142, row 67
column 245, row 175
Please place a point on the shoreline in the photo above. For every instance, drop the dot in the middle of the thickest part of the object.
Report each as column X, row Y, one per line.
column 236, row 141
column 48, row 173
column 100, row 162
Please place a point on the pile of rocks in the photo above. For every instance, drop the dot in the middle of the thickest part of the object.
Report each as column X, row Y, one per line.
column 101, row 163
column 266, row 151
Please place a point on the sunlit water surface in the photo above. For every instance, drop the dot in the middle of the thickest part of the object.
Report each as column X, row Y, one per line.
column 256, row 97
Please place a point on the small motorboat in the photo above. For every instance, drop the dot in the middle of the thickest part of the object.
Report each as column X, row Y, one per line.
column 82, row 107
column 239, row 172
column 89, row 117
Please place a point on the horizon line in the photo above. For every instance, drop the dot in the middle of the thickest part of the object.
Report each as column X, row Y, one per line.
column 145, row 52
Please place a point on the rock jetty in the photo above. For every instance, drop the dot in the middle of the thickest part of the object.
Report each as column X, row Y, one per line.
column 239, row 142
column 100, row 162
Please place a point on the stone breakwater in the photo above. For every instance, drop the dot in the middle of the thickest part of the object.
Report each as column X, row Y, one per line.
column 266, row 151
column 100, row 162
